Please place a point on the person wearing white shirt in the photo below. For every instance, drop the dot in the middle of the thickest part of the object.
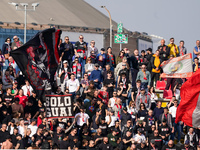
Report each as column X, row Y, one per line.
column 82, row 117
column 172, row 111
column 27, row 88
column 139, row 137
column 21, row 127
column 112, row 100
column 111, row 119
column 73, row 85
column 33, row 127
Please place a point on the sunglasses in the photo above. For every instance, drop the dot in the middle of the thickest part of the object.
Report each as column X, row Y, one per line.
column 80, row 38
column 66, row 39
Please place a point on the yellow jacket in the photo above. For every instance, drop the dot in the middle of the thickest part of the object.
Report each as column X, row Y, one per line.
column 156, row 63
column 172, row 51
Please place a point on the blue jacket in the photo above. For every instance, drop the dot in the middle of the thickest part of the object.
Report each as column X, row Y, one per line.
column 96, row 74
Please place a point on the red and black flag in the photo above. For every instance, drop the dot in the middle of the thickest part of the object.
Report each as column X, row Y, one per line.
column 38, row 59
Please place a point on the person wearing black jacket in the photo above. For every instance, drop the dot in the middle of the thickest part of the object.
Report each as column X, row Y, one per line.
column 133, row 63
column 156, row 68
column 164, row 50
column 149, row 56
column 67, row 50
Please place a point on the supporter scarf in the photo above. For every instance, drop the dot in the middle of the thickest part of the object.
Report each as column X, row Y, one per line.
column 82, row 116
column 164, row 48
column 8, row 80
column 145, row 75
column 17, row 43
column 28, row 91
column 144, row 100
column 181, row 48
column 119, row 107
column 112, row 59
column 11, row 62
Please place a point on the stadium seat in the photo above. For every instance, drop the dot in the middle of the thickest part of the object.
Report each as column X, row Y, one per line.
column 160, row 85
column 167, row 94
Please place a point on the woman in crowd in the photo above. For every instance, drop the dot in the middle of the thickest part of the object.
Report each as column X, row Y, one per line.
column 153, row 97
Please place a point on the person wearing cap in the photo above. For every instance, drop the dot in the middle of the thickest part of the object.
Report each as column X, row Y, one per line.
column 149, row 56
column 125, row 116
column 164, row 131
column 164, row 50
column 16, row 42
column 143, row 97
column 119, row 66
column 103, row 56
column 139, row 137
column 96, row 76
column 186, row 146
column 124, row 70
column 110, row 58
column 156, row 67
column 7, row 144
column 112, row 138
column 153, row 145
column 66, row 50
column 144, row 76
column 103, row 125
column 64, row 74
column 192, row 137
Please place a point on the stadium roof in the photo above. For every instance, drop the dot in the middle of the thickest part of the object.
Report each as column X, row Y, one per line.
column 76, row 13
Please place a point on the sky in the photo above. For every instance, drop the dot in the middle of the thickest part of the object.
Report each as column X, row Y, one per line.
column 164, row 18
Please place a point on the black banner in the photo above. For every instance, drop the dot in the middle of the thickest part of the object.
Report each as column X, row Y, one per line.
column 38, row 59
column 59, row 106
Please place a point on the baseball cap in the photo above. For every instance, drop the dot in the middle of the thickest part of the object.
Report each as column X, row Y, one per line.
column 65, row 61
column 96, row 65
column 102, row 49
column 142, row 89
column 16, row 99
column 139, row 129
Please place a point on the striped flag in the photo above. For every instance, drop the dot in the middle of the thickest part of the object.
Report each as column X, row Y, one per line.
column 178, row 67
column 188, row 110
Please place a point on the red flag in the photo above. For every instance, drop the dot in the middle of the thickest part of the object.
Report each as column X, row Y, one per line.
column 188, row 110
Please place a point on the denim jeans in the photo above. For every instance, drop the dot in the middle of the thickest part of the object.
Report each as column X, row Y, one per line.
column 82, row 62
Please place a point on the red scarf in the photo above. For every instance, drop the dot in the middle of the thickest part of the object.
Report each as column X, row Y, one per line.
column 145, row 75
column 17, row 43
column 144, row 100
column 8, row 80
column 112, row 58
column 120, row 106
column 11, row 62
column 181, row 50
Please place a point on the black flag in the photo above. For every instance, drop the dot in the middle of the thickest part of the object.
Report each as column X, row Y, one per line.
column 38, row 59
